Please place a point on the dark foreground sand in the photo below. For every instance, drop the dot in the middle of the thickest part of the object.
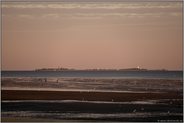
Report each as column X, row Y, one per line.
column 87, row 96
column 17, row 104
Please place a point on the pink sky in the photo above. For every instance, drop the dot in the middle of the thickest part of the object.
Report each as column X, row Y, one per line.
column 92, row 35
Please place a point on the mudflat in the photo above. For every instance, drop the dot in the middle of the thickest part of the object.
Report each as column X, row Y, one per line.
column 86, row 95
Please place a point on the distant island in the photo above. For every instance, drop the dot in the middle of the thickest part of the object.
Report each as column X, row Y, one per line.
column 69, row 69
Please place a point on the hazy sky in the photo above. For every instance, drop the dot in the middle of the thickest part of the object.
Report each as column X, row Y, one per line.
column 91, row 35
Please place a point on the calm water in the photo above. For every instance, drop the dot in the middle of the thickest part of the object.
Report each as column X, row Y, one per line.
column 106, row 74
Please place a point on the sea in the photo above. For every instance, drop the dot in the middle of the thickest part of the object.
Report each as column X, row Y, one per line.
column 100, row 74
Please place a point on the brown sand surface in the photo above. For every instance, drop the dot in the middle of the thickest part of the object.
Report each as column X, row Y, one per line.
column 148, row 85
column 85, row 95
column 22, row 119
column 28, row 119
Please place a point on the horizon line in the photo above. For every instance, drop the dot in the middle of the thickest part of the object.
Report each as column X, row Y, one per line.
column 65, row 69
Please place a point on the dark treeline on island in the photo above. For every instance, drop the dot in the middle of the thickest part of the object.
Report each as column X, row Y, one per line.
column 69, row 69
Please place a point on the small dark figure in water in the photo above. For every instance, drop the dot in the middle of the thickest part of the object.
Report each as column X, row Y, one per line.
column 45, row 79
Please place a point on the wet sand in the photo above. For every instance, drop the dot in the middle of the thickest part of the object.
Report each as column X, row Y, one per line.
column 75, row 99
column 102, row 84
column 30, row 110
column 85, row 95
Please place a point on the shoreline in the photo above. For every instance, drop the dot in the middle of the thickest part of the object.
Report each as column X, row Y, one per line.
column 86, row 77
column 77, row 90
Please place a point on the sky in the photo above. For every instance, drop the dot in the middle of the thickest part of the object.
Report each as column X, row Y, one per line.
column 90, row 35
